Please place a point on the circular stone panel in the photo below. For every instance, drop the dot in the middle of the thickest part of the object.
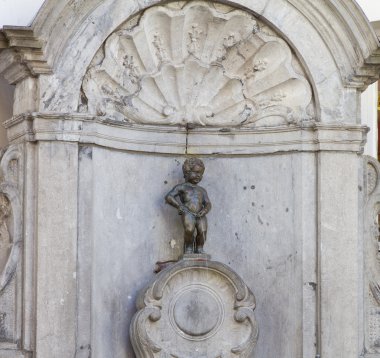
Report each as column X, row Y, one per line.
column 197, row 311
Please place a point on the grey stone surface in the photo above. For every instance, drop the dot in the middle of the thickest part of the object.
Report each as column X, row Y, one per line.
column 6, row 103
column 339, row 254
column 28, row 324
column 196, row 312
column 56, row 250
column 262, row 235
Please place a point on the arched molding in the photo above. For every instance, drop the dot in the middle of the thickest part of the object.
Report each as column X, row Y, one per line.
column 333, row 39
column 337, row 45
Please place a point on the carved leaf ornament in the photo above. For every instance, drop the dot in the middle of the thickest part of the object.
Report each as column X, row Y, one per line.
column 5, row 240
column 10, row 216
column 372, row 254
column 197, row 63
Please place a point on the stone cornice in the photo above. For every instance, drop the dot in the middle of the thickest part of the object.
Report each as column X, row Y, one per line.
column 3, row 41
column 351, row 40
column 21, row 54
column 367, row 73
column 85, row 129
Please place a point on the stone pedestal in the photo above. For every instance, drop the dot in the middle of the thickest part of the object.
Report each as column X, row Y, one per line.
column 196, row 308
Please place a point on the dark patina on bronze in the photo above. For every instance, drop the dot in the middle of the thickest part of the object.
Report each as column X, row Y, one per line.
column 192, row 203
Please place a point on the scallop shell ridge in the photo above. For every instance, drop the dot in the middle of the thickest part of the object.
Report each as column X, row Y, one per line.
column 197, row 65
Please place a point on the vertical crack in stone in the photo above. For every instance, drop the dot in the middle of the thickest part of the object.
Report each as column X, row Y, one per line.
column 187, row 140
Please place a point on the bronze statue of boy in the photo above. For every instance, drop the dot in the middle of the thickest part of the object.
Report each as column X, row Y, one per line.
column 193, row 205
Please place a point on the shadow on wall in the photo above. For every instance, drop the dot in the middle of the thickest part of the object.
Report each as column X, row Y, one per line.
column 6, row 108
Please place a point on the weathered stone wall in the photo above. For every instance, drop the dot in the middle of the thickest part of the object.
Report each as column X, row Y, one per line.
column 6, row 110
column 265, row 233
column 110, row 98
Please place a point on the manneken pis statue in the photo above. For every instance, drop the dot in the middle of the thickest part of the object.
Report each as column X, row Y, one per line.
column 192, row 204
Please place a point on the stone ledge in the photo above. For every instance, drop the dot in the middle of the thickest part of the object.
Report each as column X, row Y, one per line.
column 312, row 138
column 87, row 129
column 14, row 353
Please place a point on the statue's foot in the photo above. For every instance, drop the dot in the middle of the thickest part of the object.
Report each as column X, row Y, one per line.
column 199, row 250
column 189, row 250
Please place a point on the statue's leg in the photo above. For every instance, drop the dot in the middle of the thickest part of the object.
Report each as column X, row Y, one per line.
column 189, row 227
column 201, row 226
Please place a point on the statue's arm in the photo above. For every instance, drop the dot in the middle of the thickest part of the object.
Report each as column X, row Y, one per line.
column 170, row 197
column 206, row 204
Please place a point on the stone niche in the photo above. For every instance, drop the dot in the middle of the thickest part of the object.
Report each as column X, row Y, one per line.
column 112, row 95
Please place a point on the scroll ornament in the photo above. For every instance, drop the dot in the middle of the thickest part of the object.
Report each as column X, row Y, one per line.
column 372, row 253
column 196, row 308
column 10, row 215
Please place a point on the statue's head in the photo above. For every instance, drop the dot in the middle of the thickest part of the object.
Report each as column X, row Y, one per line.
column 193, row 169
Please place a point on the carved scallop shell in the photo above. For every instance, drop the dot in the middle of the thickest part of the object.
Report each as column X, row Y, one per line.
column 198, row 64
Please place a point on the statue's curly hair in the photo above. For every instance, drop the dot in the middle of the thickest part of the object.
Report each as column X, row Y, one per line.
column 190, row 163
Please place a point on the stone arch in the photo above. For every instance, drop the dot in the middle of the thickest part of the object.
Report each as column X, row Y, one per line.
column 197, row 64
column 345, row 43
